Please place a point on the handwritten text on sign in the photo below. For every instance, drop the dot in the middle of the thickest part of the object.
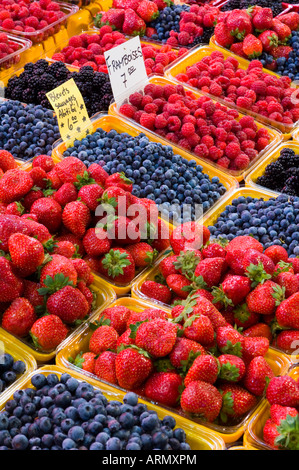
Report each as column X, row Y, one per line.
column 70, row 109
column 126, row 68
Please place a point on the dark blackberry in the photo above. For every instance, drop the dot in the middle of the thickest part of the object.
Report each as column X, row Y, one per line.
column 59, row 71
column 106, row 88
column 205, row 38
column 28, row 96
column 85, row 73
column 47, row 82
column 99, row 80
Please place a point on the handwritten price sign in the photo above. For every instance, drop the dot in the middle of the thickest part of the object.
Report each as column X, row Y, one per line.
column 70, row 110
column 126, row 69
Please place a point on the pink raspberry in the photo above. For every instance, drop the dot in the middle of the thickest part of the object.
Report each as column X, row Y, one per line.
column 193, row 140
column 8, row 23
column 252, row 153
column 221, row 134
column 172, row 136
column 127, row 110
column 146, row 99
column 242, row 161
column 250, row 133
column 201, row 151
column 209, row 107
column 207, row 140
column 160, row 122
column 215, row 89
column 32, row 21
column 136, row 99
column 188, row 129
column 183, row 38
column 216, row 69
column 232, row 150
column 262, row 132
column 247, row 144
column 184, row 143
column 259, row 87
column 275, row 117
column 261, row 143
column 274, row 108
column 224, row 162
column 215, row 153
column 151, row 108
column 247, row 121
column 148, row 120
column 174, row 123
column 172, row 41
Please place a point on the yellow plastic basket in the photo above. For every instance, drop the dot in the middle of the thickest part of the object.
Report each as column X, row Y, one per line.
column 104, row 295
column 198, row 53
column 7, row 345
column 278, row 362
column 199, row 438
column 253, row 435
column 259, row 169
column 276, row 136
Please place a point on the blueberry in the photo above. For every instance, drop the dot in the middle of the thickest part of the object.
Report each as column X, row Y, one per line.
column 38, row 381
column 76, row 433
column 96, row 446
column 113, row 444
column 6, row 362
column 19, row 442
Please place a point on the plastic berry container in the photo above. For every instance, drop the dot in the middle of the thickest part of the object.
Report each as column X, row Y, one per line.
column 107, row 123
column 15, row 60
column 275, row 136
column 198, row 53
column 259, row 169
column 278, row 362
column 199, row 438
column 253, row 435
column 7, row 345
column 104, row 295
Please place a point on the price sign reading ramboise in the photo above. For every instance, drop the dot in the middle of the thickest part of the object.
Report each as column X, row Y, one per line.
column 70, row 110
column 126, row 69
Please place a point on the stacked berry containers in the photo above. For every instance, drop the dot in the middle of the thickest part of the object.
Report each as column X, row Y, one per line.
column 275, row 136
column 120, row 125
column 8, row 346
column 180, row 66
column 253, row 435
column 278, row 362
column 199, row 439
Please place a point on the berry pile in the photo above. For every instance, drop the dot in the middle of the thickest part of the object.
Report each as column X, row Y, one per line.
column 209, row 130
column 38, row 79
column 10, row 370
column 193, row 361
column 8, row 47
column 280, row 431
column 27, row 16
column 283, row 174
column 289, row 65
column 251, row 89
column 27, row 131
column 88, row 50
column 237, row 283
column 153, row 169
column 62, row 413
column 275, row 5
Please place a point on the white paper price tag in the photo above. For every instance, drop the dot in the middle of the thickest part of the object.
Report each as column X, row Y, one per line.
column 126, row 69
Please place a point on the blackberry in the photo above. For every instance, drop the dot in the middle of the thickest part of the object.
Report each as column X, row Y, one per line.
column 282, row 175
column 275, row 6
column 28, row 96
column 99, row 80
column 205, row 38
column 59, row 71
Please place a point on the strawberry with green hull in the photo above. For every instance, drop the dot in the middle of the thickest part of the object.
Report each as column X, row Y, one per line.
column 258, row 375
column 148, row 11
column 164, row 387
column 155, row 290
column 236, row 401
column 27, row 253
column 262, row 19
column 48, row 332
column 104, row 336
column 239, row 24
column 113, row 17
column 281, row 430
column 252, row 46
column 133, row 25
column 132, row 366
column 85, row 361
column 118, row 265
column 69, row 304
column 201, row 399
column 204, row 368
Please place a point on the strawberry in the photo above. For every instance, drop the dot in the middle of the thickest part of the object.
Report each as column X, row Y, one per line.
column 199, row 329
column 143, row 254
column 223, row 36
column 30, row 293
column 113, row 17
column 236, row 250
column 277, row 253
column 167, row 266
column 288, row 341
column 202, row 399
column 253, row 347
column 184, row 351
column 85, row 361
column 164, row 387
column 96, row 242
column 263, row 20
column 291, row 19
column 104, row 367
column 160, row 241
column 204, row 368
column 288, row 282
column 282, row 30
column 11, row 287
column 232, row 291
column 259, row 329
column 132, row 367
column 43, row 161
column 156, row 291
column 258, row 374
column 281, row 51
column 97, row 173
column 55, row 181
column 90, row 195
column 58, row 265
column 69, row 169
column 48, row 332
column 252, row 46
column 214, row 250
column 269, row 39
column 39, row 177
column 237, row 401
column 243, row 317
column 66, row 249
column 157, row 337
column 10, row 224
column 7, row 161
column 14, row 185
column 284, row 391
column 38, row 231
column 33, row 195
column 255, row 258
column 125, row 339
column 147, row 10
column 118, row 265
column 76, row 217
column 122, row 229
column 232, row 368
column 189, row 236
column 279, row 413
column 238, row 22
column 15, row 208
column 69, row 304
column 287, row 313
column 27, row 253
column 177, row 283
column 118, row 316
column 116, row 197
column 19, row 317
column 133, row 25
column 147, row 314
column 86, row 291
column 78, row 244
column 65, row 194
column 120, row 180
column 211, row 270
column 205, row 307
column 83, row 270
column 281, row 429
column 265, row 298
column 48, row 212
column 230, row 341
column 103, row 338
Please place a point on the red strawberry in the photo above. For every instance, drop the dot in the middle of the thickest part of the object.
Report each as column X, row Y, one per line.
column 259, row 329
column 147, row 10
column 277, row 253
column 258, row 374
column 167, row 266
column 204, row 368
column 265, row 298
column 199, row 329
column 177, row 283
column 65, row 194
column 85, row 361
column 157, row 337
column 287, row 314
column 7, row 161
column 43, row 161
column 223, row 36
column 97, row 173
column 123, row 230
column 233, row 290
column 133, row 25
column 252, row 46
column 232, row 368
column 211, row 270
column 83, row 270
column 69, row 304
column 14, row 185
column 253, row 347
column 132, row 368
column 282, row 30
column 31, row 293
column 263, row 20
column 203, row 399
column 205, row 307
column 75, row 241
column 15, row 208
column 288, row 282
column 96, row 242
column 183, row 352
column 288, row 341
column 243, row 317
column 113, row 17
column 230, row 341
column 189, row 236
column 118, row 317
column 66, row 249
column 118, row 265
column 214, row 250
column 58, row 265
column 76, row 218
column 239, row 24
column 156, row 291
column 102, row 339
column 164, row 387
column 19, row 317
column 120, row 180
column 125, row 339
column 10, row 224
column 39, row 177
column 48, row 332
column 11, row 287
column 236, row 401
column 284, row 391
column 30, row 198
column 69, row 169
column 27, row 253
column 117, row 198
column 143, row 254
column 258, row 260
column 280, row 430
column 90, row 195
column 291, row 19
column 105, row 367
column 269, row 39
column 48, row 213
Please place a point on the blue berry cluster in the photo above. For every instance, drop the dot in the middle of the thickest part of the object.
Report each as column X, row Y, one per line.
column 62, row 413
column 272, row 222
column 156, row 172
column 290, row 66
column 266, row 59
column 10, row 370
column 169, row 19
column 27, row 131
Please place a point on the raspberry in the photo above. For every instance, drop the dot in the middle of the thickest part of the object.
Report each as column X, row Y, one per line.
column 172, row 41
column 160, row 122
column 274, row 108
column 188, row 119
column 215, row 89
column 183, row 38
column 188, row 27
column 207, row 140
column 151, row 108
column 127, row 110
column 193, row 140
column 136, row 99
column 158, row 69
column 242, row 161
column 275, row 117
column 146, row 99
column 149, row 89
column 162, row 58
column 172, row 137
column 252, row 153
column 247, row 144
column 221, row 134
column 232, row 150
column 261, row 143
column 8, row 24
column 32, row 21
column 224, row 162
column 215, row 153
column 174, row 123
column 209, row 107
column 148, row 52
column 138, row 115
column 216, row 69
column 188, row 129
column 148, row 120
column 59, row 57
column 247, row 121
column 201, row 151
column 259, row 87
